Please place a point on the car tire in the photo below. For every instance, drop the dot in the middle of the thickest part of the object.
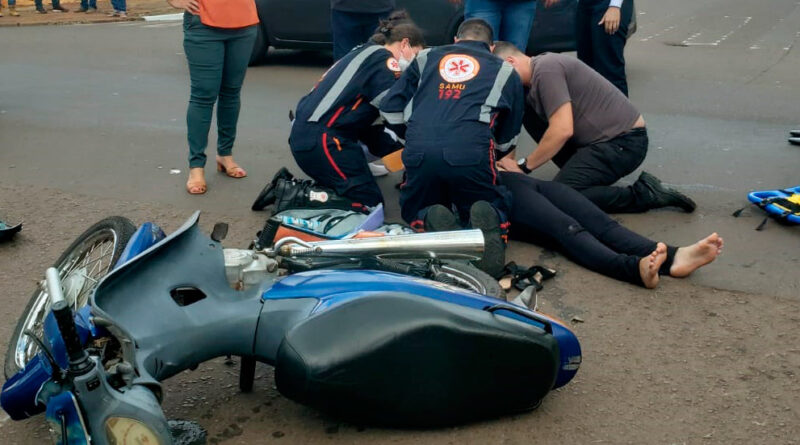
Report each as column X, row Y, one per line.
column 260, row 47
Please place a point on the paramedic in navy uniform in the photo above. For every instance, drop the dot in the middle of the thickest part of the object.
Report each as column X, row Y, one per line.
column 462, row 105
column 341, row 112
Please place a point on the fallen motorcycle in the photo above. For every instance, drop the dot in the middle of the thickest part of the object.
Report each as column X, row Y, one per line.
column 371, row 346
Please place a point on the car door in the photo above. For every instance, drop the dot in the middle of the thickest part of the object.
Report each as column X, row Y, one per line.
column 289, row 21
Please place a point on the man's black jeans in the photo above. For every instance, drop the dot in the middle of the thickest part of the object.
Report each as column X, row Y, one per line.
column 592, row 169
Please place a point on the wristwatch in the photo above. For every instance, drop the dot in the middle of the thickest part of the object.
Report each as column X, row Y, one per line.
column 523, row 165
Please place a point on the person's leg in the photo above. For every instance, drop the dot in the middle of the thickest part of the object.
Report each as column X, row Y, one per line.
column 516, row 22
column 205, row 53
column 606, row 229
column 608, row 49
column 535, row 217
column 335, row 163
column 583, row 31
column 488, row 10
column 238, row 47
column 592, row 170
column 422, row 186
column 347, row 29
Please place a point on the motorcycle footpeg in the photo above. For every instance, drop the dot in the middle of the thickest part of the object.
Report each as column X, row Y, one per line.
column 220, row 231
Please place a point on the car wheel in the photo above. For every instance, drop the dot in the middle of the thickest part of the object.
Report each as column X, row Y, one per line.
column 260, row 47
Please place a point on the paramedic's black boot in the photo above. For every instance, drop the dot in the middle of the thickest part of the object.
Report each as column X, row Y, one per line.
column 794, row 141
column 664, row 196
column 267, row 196
column 795, row 133
column 483, row 216
column 440, row 219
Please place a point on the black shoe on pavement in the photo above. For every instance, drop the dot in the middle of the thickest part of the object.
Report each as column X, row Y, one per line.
column 483, row 216
column 665, row 196
column 795, row 133
column 440, row 219
column 81, row 9
column 794, row 141
column 60, row 8
column 41, row 10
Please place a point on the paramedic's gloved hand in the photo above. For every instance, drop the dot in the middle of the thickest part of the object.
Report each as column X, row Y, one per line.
column 508, row 164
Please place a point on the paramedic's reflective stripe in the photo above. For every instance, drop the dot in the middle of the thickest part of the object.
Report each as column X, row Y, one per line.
column 377, row 101
column 422, row 60
column 341, row 83
column 497, row 91
column 395, row 118
column 508, row 145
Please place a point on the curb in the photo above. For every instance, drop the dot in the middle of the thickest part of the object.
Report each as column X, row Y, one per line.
column 163, row 17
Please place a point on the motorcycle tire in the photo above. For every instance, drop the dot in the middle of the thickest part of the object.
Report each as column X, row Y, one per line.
column 109, row 237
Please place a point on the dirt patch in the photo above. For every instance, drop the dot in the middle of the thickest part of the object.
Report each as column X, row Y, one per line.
column 28, row 15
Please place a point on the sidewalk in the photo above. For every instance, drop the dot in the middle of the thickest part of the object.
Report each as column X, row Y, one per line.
column 29, row 16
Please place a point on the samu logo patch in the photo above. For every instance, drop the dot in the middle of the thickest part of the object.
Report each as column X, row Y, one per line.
column 455, row 68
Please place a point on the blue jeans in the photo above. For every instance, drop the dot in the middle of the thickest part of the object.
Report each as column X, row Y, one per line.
column 39, row 5
column 86, row 4
column 510, row 20
column 118, row 5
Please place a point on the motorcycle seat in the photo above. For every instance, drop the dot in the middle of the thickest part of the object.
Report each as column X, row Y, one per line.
column 400, row 360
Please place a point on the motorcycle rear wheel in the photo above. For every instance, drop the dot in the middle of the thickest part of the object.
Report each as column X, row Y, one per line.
column 87, row 260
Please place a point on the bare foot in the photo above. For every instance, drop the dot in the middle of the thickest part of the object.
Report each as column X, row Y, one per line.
column 649, row 265
column 690, row 258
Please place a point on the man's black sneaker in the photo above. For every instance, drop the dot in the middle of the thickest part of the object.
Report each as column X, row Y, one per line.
column 665, row 196
column 484, row 217
column 60, row 8
column 795, row 133
column 440, row 219
column 41, row 10
column 794, row 141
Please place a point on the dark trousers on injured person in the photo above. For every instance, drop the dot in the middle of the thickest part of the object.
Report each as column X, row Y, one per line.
column 217, row 65
column 553, row 215
column 593, row 169
column 334, row 161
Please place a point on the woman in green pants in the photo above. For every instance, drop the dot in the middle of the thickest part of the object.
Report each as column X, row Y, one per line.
column 218, row 38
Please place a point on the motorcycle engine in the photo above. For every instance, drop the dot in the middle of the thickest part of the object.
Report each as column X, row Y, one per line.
column 246, row 268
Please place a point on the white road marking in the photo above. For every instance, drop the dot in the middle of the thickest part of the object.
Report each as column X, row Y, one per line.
column 689, row 41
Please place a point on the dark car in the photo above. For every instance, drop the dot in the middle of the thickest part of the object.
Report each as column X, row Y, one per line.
column 306, row 24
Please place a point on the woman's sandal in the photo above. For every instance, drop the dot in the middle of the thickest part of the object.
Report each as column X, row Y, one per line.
column 196, row 186
column 233, row 172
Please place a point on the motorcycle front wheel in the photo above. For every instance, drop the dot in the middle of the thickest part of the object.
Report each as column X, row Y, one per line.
column 85, row 262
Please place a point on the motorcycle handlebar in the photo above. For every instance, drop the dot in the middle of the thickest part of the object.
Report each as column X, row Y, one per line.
column 79, row 362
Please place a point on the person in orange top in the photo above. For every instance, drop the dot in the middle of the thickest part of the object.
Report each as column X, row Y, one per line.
column 218, row 37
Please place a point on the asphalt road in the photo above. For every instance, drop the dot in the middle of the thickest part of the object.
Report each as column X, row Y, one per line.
column 92, row 118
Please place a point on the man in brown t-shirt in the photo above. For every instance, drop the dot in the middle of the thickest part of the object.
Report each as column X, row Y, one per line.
column 590, row 130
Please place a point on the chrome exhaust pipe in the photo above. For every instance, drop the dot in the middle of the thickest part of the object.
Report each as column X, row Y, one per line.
column 457, row 244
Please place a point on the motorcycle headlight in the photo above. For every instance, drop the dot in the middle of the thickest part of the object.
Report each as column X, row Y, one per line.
column 123, row 430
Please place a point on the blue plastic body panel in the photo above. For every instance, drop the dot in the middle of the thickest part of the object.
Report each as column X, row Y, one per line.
column 145, row 237
column 19, row 396
column 334, row 287
column 757, row 197
column 63, row 414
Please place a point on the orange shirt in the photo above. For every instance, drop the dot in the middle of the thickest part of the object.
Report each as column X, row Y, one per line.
column 228, row 14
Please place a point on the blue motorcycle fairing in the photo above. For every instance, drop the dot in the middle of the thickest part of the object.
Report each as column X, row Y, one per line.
column 145, row 237
column 64, row 416
column 335, row 287
column 20, row 393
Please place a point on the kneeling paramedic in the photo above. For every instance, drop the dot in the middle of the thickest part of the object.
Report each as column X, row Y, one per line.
column 341, row 113
column 461, row 105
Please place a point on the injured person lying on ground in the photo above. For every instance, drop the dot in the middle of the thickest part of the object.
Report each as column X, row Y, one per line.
column 554, row 215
